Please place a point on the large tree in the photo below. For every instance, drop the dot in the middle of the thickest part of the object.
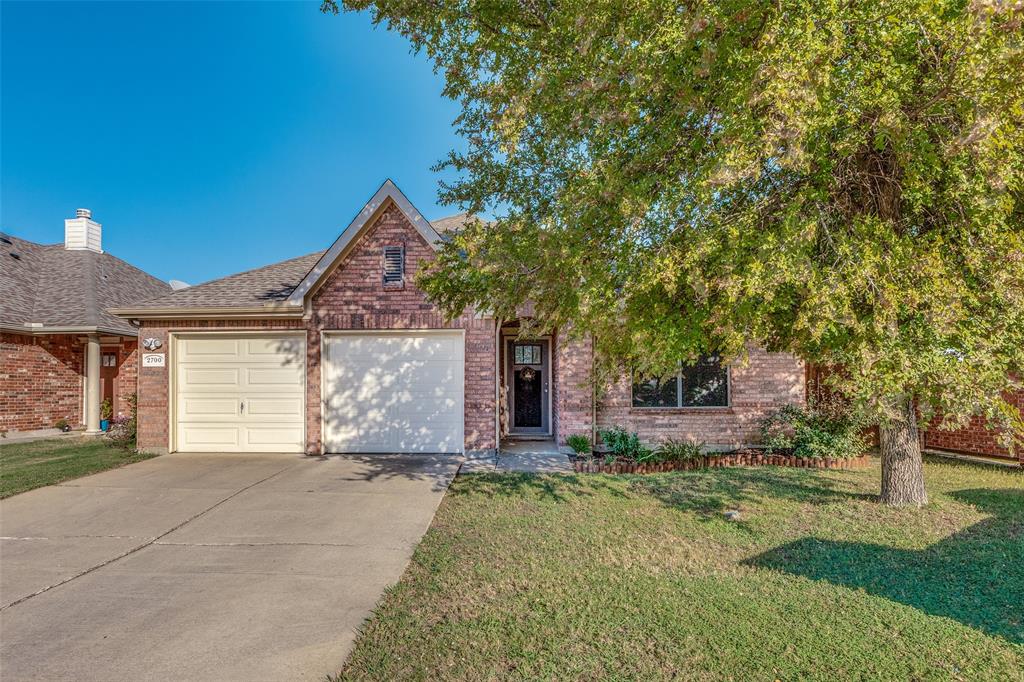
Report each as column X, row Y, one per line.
column 841, row 179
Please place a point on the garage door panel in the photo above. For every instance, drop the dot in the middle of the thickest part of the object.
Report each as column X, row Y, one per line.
column 275, row 435
column 208, row 350
column 208, row 438
column 291, row 350
column 217, row 375
column 274, row 406
column 256, row 377
column 199, row 378
column 208, row 408
column 394, row 392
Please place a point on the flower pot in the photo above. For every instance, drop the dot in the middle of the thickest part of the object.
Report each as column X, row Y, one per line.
column 104, row 425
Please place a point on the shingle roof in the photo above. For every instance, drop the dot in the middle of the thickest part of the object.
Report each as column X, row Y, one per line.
column 252, row 288
column 51, row 286
column 452, row 223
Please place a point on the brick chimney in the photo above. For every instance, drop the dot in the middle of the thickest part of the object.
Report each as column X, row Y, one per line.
column 82, row 232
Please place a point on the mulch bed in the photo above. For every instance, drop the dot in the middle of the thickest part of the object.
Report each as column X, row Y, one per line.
column 749, row 457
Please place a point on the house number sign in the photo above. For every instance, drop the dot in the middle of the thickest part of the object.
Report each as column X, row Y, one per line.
column 153, row 359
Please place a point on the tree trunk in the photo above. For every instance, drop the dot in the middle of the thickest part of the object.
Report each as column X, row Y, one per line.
column 902, row 469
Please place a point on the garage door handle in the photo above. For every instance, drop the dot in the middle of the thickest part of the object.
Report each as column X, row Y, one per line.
column 243, row 407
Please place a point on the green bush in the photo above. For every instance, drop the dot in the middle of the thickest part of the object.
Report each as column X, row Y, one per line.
column 106, row 409
column 673, row 450
column 824, row 428
column 626, row 445
column 579, row 443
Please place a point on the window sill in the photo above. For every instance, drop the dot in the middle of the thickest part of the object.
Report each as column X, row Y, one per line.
column 717, row 409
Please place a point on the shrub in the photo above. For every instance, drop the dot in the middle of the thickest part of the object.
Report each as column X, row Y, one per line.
column 825, row 428
column 61, row 424
column 106, row 409
column 626, row 445
column 579, row 443
column 673, row 450
column 123, row 430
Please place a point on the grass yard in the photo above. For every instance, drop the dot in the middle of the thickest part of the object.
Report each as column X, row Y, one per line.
column 641, row 577
column 24, row 466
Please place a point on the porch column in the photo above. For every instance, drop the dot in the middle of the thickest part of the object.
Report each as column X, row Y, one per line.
column 92, row 385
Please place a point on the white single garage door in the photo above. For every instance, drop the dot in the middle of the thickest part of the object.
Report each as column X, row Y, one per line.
column 393, row 392
column 242, row 393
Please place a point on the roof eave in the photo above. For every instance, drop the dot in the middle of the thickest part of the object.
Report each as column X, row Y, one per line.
column 66, row 329
column 251, row 312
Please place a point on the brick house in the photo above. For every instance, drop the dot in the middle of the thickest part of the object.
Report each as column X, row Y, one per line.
column 61, row 353
column 338, row 351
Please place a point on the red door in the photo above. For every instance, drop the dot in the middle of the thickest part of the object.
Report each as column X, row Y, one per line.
column 108, row 373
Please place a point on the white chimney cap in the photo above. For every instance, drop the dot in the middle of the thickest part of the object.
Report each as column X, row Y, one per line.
column 83, row 213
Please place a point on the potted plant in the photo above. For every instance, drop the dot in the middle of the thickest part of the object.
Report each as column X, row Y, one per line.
column 106, row 412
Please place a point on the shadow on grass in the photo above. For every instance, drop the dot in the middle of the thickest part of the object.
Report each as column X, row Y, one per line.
column 710, row 492
column 975, row 576
column 552, row 487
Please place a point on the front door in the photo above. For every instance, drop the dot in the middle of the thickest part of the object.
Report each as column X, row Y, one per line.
column 527, row 376
column 108, row 373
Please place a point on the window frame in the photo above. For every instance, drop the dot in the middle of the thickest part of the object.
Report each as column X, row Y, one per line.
column 679, row 394
column 400, row 283
column 536, row 349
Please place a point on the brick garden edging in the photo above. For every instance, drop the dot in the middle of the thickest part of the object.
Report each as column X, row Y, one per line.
column 742, row 459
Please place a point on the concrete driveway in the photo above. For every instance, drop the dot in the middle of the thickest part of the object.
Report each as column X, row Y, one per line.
column 207, row 567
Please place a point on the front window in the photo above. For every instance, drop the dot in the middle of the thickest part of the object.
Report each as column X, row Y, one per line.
column 704, row 383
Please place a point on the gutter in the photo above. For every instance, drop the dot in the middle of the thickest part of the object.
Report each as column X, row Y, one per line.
column 40, row 330
column 258, row 312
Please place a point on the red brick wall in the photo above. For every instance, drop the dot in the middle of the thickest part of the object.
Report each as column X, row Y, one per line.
column 40, row 381
column 353, row 297
column 975, row 438
column 127, row 374
column 572, row 406
column 153, row 390
column 972, row 439
column 769, row 381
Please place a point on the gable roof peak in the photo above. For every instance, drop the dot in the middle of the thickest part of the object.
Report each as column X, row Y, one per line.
column 388, row 192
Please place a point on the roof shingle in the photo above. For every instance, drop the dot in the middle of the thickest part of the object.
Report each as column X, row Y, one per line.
column 51, row 286
column 252, row 288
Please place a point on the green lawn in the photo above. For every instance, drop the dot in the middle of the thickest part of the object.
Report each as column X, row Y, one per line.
column 641, row 577
column 24, row 466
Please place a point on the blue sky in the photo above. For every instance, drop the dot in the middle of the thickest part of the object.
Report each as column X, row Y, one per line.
column 210, row 138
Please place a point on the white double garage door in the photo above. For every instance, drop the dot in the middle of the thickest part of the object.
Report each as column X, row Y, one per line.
column 381, row 392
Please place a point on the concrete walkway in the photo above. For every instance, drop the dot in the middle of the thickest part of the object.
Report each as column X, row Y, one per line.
column 207, row 567
column 535, row 457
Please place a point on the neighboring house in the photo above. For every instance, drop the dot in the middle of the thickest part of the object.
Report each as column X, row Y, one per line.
column 338, row 351
column 61, row 353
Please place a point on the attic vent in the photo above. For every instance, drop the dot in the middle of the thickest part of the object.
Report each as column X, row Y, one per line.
column 5, row 239
column 394, row 266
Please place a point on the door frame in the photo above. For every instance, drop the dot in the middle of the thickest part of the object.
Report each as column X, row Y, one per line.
column 323, row 357
column 510, row 337
column 115, row 350
column 172, row 373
